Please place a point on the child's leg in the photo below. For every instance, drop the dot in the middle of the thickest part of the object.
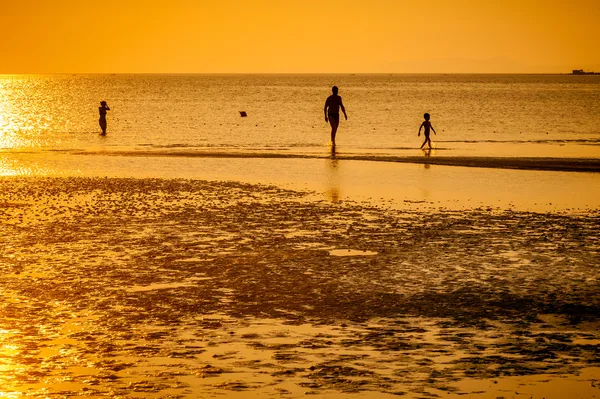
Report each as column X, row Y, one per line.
column 426, row 140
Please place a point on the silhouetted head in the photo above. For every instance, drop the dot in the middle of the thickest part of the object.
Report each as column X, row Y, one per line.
column 334, row 89
column 426, row 116
column 102, row 102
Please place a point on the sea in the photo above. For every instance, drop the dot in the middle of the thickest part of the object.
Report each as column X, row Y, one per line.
column 484, row 115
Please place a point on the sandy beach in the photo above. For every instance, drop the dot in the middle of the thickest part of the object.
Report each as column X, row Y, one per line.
column 181, row 287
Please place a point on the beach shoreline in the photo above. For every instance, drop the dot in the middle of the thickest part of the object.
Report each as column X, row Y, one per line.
column 398, row 185
column 187, row 287
column 543, row 163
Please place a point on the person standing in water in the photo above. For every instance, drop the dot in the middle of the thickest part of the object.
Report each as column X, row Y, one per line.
column 332, row 112
column 427, row 125
column 102, row 109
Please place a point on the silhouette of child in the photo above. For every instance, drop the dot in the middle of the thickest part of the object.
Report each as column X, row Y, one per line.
column 427, row 125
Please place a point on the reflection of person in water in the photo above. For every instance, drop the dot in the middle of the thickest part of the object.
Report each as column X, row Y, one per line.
column 333, row 179
column 332, row 112
column 427, row 153
column 102, row 109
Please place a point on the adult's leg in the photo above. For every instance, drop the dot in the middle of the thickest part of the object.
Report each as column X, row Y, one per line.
column 103, row 126
column 334, row 122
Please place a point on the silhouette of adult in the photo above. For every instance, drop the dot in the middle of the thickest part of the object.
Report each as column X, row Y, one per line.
column 102, row 109
column 332, row 112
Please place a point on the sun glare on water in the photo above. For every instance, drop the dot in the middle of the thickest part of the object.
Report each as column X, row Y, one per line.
column 27, row 113
column 8, row 350
column 8, row 126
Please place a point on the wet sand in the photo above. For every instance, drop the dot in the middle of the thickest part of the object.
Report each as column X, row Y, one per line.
column 140, row 287
column 522, row 163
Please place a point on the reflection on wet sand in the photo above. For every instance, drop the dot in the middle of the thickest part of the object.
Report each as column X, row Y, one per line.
column 7, row 167
column 427, row 152
column 19, row 166
column 181, row 288
column 333, row 191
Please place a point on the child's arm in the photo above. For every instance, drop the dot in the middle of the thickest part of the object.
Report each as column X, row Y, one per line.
column 433, row 129
column 420, row 127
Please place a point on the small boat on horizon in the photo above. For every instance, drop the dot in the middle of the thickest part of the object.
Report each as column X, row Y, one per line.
column 582, row 72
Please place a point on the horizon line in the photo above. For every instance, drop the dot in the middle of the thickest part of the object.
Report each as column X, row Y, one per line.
column 291, row 73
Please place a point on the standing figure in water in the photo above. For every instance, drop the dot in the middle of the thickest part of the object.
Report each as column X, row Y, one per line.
column 332, row 112
column 427, row 125
column 102, row 109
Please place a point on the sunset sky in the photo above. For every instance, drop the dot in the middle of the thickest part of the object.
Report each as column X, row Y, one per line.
column 230, row 36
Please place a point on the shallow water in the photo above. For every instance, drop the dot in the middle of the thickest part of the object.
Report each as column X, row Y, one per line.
column 179, row 288
column 388, row 184
column 535, row 114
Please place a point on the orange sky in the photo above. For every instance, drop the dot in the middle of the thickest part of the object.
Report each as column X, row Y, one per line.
column 228, row 36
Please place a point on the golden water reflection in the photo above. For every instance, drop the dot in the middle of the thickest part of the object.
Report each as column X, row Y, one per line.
column 10, row 113
column 32, row 111
column 9, row 369
column 11, row 166
column 8, row 125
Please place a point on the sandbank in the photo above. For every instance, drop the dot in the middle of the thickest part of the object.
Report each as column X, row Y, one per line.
column 424, row 157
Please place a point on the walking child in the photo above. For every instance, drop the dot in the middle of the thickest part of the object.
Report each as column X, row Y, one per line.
column 427, row 125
